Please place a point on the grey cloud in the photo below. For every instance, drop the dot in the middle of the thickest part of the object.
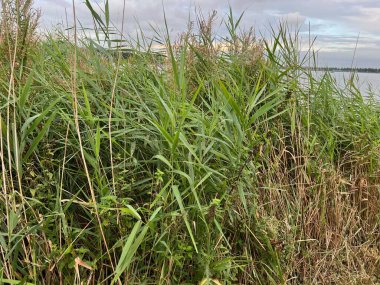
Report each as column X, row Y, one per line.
column 336, row 23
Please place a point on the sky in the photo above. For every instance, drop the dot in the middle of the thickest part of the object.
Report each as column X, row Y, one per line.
column 346, row 32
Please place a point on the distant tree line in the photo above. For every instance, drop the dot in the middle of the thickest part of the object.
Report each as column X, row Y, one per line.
column 348, row 69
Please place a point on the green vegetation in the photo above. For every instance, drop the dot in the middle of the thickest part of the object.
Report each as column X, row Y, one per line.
column 211, row 161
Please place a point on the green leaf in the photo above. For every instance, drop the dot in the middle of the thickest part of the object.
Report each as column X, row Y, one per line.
column 97, row 142
column 131, row 211
column 231, row 101
column 178, row 197
column 164, row 160
column 126, row 254
column 107, row 14
column 40, row 136
column 14, row 282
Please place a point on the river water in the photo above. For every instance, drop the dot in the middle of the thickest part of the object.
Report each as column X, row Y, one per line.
column 366, row 82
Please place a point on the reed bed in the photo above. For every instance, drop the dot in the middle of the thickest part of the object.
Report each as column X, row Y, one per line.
column 213, row 160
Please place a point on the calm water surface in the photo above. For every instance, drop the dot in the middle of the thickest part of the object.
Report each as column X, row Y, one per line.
column 367, row 82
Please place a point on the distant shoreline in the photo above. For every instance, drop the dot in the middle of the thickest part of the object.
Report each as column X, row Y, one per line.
column 347, row 69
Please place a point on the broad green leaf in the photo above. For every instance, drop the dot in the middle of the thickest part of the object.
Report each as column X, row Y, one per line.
column 184, row 214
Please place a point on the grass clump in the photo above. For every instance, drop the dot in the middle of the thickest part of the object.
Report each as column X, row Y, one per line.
column 210, row 162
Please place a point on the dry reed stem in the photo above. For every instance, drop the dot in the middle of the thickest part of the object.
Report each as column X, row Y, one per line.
column 75, row 102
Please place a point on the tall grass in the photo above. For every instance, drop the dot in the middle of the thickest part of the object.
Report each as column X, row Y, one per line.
column 217, row 160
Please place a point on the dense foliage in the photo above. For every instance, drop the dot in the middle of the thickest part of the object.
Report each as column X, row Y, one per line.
column 215, row 160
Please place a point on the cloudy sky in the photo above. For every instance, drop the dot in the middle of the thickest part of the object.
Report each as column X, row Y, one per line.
column 338, row 25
